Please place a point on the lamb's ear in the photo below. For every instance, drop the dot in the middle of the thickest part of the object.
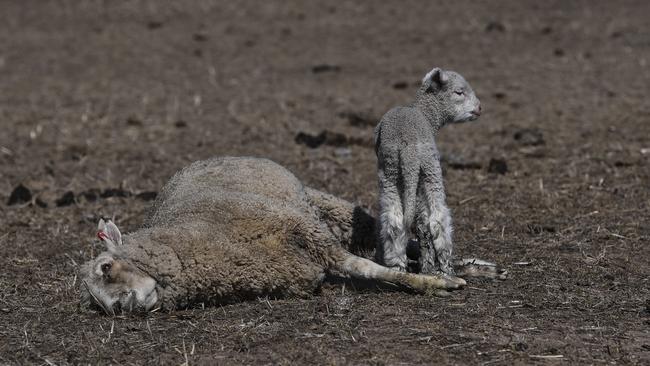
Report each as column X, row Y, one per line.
column 435, row 78
column 109, row 234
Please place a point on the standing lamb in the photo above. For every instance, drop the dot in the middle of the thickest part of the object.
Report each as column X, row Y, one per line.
column 230, row 229
column 410, row 179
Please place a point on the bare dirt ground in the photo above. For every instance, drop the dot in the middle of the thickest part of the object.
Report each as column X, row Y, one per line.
column 107, row 99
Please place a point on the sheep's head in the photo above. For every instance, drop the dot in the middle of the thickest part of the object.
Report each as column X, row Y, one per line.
column 114, row 283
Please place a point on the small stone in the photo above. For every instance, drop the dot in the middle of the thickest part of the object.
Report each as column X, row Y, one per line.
column 343, row 152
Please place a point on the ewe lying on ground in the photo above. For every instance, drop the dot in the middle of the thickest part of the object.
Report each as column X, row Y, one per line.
column 231, row 229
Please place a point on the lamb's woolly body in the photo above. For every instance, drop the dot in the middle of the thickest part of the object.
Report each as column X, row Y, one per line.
column 410, row 179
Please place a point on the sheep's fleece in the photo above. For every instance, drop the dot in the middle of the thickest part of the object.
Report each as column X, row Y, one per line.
column 230, row 229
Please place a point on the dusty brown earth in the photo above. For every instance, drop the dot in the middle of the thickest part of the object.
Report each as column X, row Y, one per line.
column 107, row 99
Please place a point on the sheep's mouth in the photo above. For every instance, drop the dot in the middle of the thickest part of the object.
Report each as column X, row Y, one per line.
column 126, row 303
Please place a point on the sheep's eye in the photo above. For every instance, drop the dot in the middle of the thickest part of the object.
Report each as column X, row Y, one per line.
column 459, row 92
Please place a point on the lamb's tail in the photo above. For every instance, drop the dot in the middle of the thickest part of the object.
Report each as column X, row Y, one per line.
column 410, row 172
column 366, row 269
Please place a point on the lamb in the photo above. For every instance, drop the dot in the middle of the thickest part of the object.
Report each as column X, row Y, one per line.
column 410, row 179
column 231, row 229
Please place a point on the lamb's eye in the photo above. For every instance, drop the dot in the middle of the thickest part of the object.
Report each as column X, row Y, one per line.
column 459, row 92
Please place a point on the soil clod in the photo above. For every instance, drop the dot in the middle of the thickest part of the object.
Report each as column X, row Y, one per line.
column 147, row 196
column 529, row 137
column 65, row 200
column 495, row 26
column 199, row 37
column 456, row 162
column 317, row 69
column 20, row 194
column 498, row 166
column 359, row 119
column 115, row 192
column 400, row 85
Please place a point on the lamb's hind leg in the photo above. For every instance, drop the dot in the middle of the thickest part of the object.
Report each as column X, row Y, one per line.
column 391, row 248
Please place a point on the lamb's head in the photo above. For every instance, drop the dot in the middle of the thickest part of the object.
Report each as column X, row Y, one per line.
column 112, row 282
column 447, row 95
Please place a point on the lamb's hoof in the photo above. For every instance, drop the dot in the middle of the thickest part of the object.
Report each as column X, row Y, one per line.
column 479, row 268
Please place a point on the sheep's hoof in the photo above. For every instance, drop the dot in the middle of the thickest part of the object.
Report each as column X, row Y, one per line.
column 435, row 283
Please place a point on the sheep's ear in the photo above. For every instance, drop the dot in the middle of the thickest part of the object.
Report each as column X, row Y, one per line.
column 109, row 234
column 435, row 78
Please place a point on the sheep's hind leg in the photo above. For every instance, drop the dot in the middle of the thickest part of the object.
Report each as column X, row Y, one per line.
column 366, row 269
column 473, row 267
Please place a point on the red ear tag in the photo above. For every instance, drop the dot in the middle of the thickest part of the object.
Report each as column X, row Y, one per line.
column 102, row 235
